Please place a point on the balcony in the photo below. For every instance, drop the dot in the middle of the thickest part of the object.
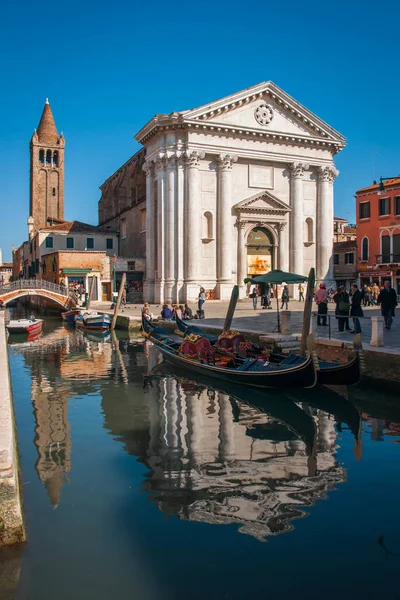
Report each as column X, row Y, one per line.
column 387, row 259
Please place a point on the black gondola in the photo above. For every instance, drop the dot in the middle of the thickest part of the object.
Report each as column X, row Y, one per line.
column 300, row 373
column 328, row 373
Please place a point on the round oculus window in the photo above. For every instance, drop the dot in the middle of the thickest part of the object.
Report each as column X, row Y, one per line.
column 264, row 114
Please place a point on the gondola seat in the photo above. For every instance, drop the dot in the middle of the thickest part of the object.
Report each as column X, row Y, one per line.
column 292, row 360
column 197, row 347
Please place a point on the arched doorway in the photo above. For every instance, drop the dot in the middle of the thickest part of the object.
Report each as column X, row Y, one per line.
column 260, row 251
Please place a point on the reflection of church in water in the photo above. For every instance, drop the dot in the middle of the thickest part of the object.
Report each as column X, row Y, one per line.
column 217, row 459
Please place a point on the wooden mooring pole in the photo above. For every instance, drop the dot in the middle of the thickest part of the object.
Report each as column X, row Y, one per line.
column 90, row 293
column 231, row 308
column 116, row 309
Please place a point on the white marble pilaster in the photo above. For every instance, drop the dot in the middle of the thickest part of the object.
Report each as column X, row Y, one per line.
column 324, row 266
column 192, row 222
column 283, row 248
column 224, row 224
column 297, row 217
column 180, row 228
column 241, row 257
column 148, row 291
column 170, row 192
column 160, row 242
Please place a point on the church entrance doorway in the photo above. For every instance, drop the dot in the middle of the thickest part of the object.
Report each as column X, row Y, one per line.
column 260, row 252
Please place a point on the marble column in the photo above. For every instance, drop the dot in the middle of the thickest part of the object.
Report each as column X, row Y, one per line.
column 241, row 257
column 170, row 192
column 148, row 290
column 192, row 222
column 179, row 230
column 297, row 221
column 160, row 241
column 324, row 263
column 224, row 223
column 283, row 248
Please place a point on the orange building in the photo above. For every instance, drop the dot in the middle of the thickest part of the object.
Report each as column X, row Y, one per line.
column 378, row 233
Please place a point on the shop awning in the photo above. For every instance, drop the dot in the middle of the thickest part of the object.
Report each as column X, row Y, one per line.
column 76, row 271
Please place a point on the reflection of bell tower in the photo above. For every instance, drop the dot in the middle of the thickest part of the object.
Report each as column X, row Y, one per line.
column 47, row 172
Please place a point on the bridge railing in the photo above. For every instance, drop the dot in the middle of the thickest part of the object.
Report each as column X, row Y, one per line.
column 34, row 284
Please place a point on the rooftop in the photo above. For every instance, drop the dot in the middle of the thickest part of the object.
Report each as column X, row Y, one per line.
column 347, row 245
column 76, row 227
column 394, row 182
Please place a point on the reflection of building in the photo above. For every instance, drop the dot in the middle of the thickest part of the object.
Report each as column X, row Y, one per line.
column 254, row 160
column 59, row 362
column 216, row 459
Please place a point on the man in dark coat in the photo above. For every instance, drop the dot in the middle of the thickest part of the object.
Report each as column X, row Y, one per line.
column 356, row 310
column 342, row 300
column 388, row 301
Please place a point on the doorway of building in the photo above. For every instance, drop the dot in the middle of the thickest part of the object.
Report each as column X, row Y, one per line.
column 105, row 291
column 260, row 252
column 95, row 295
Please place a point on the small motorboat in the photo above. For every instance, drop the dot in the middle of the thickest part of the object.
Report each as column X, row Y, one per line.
column 69, row 315
column 93, row 322
column 31, row 325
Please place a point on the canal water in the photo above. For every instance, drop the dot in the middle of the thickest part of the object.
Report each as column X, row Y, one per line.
column 143, row 483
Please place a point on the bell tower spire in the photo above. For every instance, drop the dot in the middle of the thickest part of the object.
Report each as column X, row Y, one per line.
column 47, row 171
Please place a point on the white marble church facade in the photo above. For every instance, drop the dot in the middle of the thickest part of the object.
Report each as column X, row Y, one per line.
column 255, row 165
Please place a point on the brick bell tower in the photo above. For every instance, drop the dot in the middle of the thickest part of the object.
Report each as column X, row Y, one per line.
column 47, row 172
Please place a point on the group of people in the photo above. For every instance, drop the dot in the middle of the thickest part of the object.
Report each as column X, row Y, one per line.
column 349, row 305
column 169, row 313
column 266, row 296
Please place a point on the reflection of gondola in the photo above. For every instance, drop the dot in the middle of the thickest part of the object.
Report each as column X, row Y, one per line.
column 334, row 404
column 328, row 373
column 197, row 355
column 290, row 416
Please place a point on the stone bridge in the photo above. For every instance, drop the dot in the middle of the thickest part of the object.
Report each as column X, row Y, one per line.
column 37, row 287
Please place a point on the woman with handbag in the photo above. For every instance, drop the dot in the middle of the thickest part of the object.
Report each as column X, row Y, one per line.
column 342, row 300
column 321, row 298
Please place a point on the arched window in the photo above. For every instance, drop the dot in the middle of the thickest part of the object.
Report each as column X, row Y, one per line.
column 309, row 237
column 208, row 233
column 55, row 158
column 365, row 249
column 41, row 156
column 48, row 157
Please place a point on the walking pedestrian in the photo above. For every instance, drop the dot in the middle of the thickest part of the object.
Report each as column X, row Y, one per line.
column 321, row 298
column 356, row 311
column 253, row 295
column 342, row 300
column 301, row 292
column 201, row 300
column 388, row 301
column 285, row 297
column 375, row 293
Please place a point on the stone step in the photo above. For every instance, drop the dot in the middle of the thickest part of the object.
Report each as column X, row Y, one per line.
column 280, row 337
column 287, row 344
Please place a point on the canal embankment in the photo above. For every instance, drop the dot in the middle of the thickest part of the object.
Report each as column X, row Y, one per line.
column 12, row 529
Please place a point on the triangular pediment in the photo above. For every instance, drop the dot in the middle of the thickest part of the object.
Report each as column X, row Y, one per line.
column 265, row 108
column 262, row 202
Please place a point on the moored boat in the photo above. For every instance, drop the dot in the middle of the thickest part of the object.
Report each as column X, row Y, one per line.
column 94, row 322
column 197, row 354
column 69, row 315
column 348, row 373
column 30, row 326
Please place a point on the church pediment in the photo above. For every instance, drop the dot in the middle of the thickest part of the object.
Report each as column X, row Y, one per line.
column 265, row 108
column 262, row 203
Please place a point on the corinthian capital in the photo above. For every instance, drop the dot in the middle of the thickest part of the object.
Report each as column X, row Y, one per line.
column 192, row 158
column 298, row 169
column 328, row 173
column 148, row 168
column 172, row 161
column 161, row 163
column 225, row 161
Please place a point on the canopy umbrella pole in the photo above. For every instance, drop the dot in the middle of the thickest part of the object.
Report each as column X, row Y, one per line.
column 277, row 308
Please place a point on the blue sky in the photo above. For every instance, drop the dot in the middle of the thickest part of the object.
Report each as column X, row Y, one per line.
column 108, row 67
